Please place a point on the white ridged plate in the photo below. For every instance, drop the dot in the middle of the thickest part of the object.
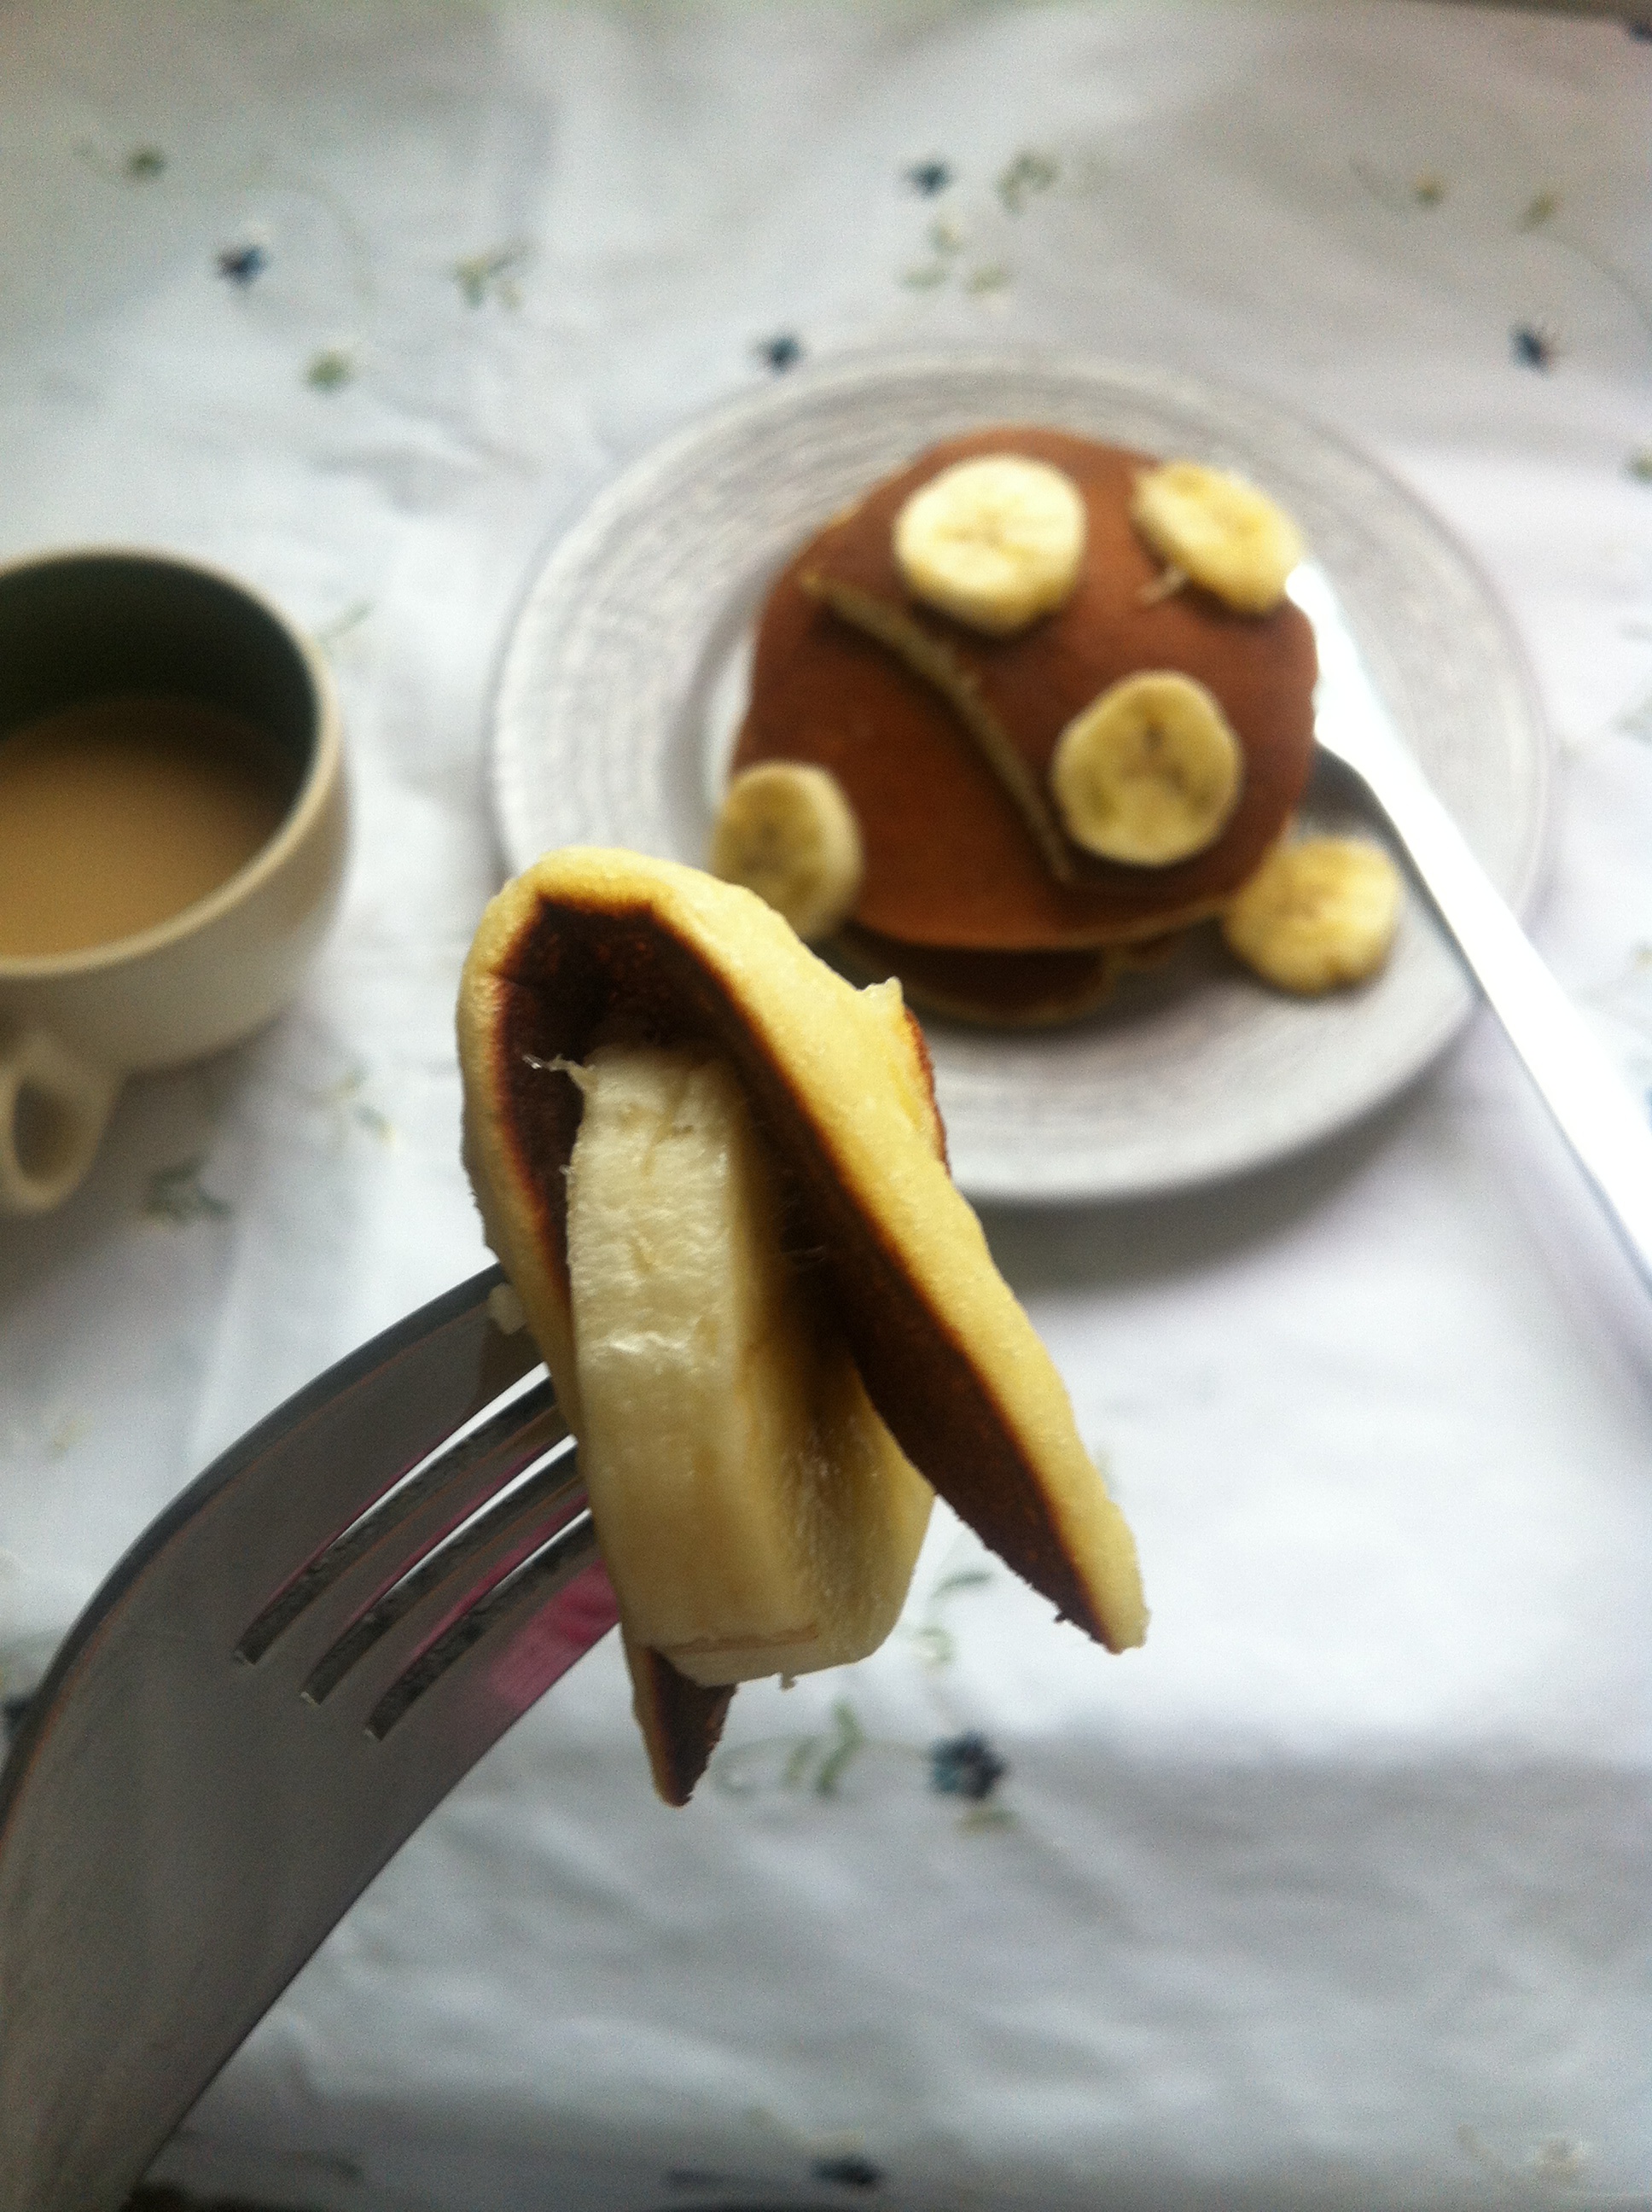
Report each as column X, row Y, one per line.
column 622, row 681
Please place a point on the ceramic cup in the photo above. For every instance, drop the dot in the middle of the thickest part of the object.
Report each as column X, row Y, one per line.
column 83, row 626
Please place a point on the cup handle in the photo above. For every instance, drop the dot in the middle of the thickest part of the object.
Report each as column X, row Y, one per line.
column 53, row 1107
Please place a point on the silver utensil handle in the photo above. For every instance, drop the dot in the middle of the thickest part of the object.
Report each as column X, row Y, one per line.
column 1606, row 1126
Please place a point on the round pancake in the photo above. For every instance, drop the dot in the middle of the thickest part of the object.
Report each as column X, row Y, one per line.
column 949, row 862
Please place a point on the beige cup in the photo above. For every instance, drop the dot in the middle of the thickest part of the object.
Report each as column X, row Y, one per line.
column 74, row 1025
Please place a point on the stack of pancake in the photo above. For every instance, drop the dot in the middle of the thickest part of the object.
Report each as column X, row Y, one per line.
column 932, row 727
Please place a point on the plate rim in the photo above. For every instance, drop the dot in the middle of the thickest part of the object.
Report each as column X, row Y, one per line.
column 565, row 552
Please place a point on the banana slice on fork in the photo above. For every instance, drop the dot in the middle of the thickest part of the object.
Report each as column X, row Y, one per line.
column 756, row 1514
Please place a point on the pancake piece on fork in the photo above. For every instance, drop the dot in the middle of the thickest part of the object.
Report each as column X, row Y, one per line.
column 592, row 961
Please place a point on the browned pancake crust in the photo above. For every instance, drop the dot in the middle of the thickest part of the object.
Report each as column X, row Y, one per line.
column 681, row 1723
column 949, row 860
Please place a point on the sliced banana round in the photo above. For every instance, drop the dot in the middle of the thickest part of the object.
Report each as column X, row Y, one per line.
column 786, row 831
column 995, row 542
column 1219, row 531
column 1316, row 913
column 1150, row 772
column 755, row 1513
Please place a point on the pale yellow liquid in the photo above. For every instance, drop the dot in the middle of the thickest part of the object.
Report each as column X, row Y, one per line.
column 116, row 814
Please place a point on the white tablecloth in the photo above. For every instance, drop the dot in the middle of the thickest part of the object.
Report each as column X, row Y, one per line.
column 1337, row 1892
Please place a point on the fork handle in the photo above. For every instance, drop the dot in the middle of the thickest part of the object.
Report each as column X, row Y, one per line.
column 1604, row 1124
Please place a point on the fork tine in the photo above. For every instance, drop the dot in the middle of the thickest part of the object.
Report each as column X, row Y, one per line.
column 494, row 1661
column 310, row 1470
column 389, row 1635
column 404, row 1525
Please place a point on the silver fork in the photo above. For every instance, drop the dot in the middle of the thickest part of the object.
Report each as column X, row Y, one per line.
column 1606, row 1126
column 278, row 1682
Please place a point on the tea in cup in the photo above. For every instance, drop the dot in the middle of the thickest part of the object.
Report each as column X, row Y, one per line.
column 174, row 825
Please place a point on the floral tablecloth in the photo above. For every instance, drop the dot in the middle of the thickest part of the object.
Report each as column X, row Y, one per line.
column 1337, row 1893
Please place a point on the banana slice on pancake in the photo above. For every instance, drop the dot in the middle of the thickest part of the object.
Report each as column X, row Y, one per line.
column 1149, row 773
column 995, row 542
column 592, row 951
column 1218, row 531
